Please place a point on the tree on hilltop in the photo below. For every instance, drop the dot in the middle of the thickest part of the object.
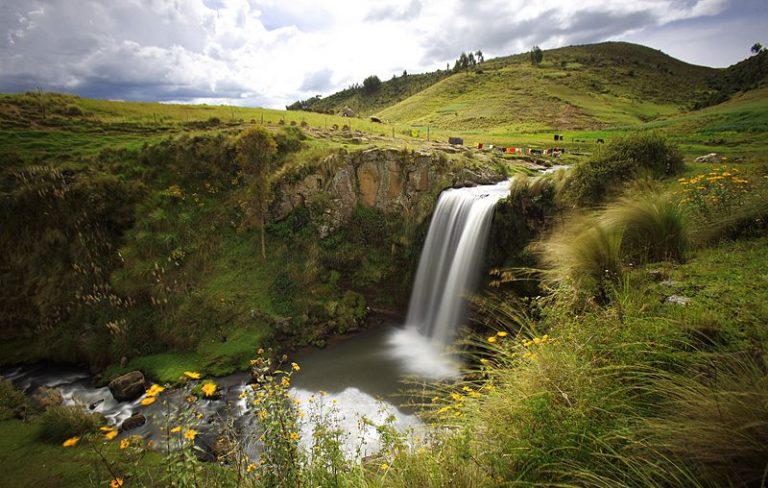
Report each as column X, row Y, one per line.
column 371, row 84
column 757, row 48
column 537, row 55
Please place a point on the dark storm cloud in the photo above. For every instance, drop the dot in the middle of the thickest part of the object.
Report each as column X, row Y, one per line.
column 390, row 12
column 319, row 81
column 124, row 50
column 494, row 30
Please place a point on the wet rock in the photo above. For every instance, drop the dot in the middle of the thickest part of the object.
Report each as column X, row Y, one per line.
column 128, row 386
column 657, row 274
column 678, row 300
column 710, row 158
column 44, row 398
column 133, row 422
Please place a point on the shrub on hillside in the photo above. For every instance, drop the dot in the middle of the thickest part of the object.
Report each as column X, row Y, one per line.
column 621, row 161
column 289, row 140
column 654, row 227
column 588, row 254
column 726, row 204
column 13, row 403
column 585, row 256
column 60, row 423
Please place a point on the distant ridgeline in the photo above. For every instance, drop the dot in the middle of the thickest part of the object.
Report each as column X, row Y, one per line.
column 363, row 100
column 615, row 71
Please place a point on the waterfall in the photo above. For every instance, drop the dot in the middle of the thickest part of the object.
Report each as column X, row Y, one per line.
column 450, row 261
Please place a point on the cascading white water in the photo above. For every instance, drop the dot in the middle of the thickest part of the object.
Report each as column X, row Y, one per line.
column 450, row 261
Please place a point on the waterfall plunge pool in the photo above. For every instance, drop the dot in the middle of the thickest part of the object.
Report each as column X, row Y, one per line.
column 365, row 375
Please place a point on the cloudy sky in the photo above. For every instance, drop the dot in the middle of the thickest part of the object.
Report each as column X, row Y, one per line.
column 273, row 52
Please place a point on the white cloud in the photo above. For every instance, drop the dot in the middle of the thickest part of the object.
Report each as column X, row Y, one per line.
column 274, row 52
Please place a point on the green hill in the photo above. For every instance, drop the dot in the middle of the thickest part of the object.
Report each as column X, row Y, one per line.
column 575, row 87
column 578, row 87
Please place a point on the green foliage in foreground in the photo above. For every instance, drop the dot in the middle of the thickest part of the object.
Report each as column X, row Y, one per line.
column 633, row 393
column 59, row 423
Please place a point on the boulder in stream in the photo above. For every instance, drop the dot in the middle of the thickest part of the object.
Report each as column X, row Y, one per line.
column 133, row 422
column 128, row 386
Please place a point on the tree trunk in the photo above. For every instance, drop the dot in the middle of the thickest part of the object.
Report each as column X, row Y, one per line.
column 263, row 242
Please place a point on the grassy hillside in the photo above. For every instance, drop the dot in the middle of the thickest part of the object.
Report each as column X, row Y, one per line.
column 575, row 87
column 578, row 87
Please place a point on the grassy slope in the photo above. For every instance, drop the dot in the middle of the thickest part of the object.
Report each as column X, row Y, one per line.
column 24, row 132
column 577, row 87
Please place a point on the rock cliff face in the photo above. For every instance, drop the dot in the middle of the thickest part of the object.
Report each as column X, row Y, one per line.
column 390, row 180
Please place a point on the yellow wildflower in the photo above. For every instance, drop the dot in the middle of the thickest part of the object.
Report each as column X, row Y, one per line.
column 176, row 429
column 209, row 389
column 72, row 441
column 148, row 401
column 294, row 436
column 193, row 375
column 295, row 367
column 250, row 468
column 492, row 339
column 106, row 428
column 285, row 382
column 155, row 390
column 124, row 443
column 190, row 434
column 110, row 435
column 384, row 466
column 501, row 333
column 116, row 483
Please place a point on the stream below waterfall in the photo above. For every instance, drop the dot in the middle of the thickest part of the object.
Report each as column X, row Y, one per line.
column 361, row 375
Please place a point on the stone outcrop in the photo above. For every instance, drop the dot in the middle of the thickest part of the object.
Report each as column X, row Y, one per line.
column 710, row 158
column 387, row 179
column 128, row 386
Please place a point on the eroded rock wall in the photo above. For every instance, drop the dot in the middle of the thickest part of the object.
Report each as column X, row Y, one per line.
column 390, row 180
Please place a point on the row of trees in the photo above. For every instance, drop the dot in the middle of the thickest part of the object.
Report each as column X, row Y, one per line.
column 467, row 61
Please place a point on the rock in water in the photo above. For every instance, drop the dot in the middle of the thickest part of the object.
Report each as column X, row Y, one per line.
column 128, row 386
column 45, row 398
column 134, row 421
